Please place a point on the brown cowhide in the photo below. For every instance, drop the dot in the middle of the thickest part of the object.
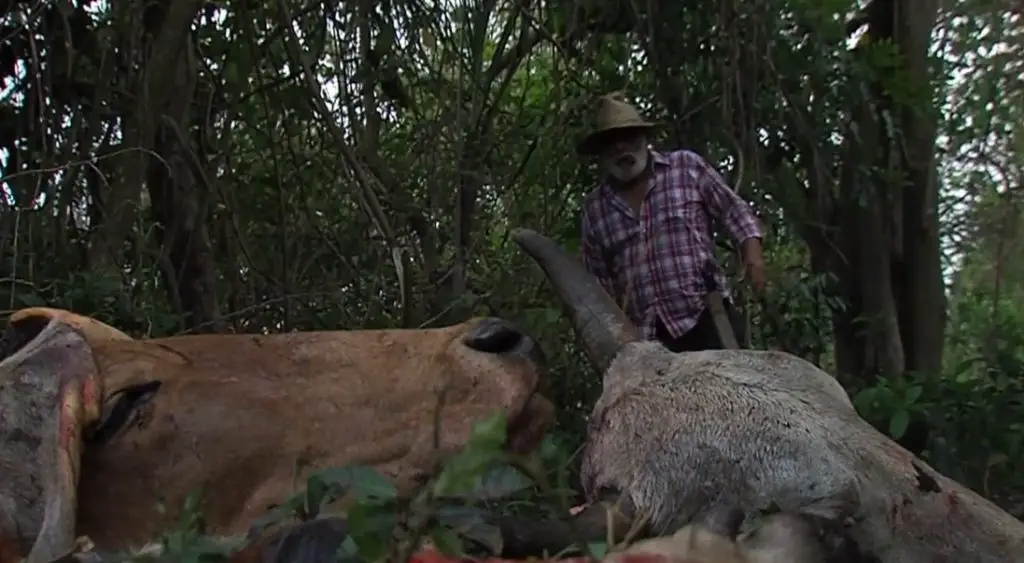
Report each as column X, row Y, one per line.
column 98, row 429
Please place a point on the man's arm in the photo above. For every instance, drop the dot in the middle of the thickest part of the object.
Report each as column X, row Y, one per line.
column 729, row 208
column 593, row 257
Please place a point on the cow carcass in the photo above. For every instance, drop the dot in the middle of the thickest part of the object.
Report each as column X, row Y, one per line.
column 98, row 429
column 676, row 434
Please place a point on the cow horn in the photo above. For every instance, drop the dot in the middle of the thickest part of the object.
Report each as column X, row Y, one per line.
column 599, row 322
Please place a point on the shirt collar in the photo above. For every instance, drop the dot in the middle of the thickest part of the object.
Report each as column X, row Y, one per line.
column 659, row 158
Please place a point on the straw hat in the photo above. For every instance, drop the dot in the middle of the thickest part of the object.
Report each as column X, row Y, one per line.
column 613, row 112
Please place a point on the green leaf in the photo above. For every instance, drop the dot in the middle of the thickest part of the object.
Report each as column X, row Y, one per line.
column 864, row 400
column 348, row 550
column 358, row 520
column 460, row 473
column 898, row 423
column 963, row 369
column 315, row 494
column 498, row 482
column 370, row 531
column 363, row 482
column 446, row 541
column 552, row 316
column 913, row 394
column 490, row 433
column 598, row 549
column 550, row 450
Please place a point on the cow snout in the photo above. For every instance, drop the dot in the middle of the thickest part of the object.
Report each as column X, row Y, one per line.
column 495, row 335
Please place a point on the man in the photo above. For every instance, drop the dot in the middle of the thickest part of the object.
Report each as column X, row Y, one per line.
column 647, row 231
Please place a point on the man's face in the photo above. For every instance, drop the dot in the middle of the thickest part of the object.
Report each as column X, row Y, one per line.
column 624, row 153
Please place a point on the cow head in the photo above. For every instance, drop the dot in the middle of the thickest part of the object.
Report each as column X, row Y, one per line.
column 677, row 434
column 228, row 413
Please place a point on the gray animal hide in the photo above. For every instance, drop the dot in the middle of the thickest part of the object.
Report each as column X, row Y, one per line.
column 680, row 433
column 683, row 433
column 28, row 432
column 33, row 507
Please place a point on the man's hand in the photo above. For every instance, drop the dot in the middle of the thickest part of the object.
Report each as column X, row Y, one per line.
column 753, row 261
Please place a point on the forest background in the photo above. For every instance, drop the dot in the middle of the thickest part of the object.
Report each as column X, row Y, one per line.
column 180, row 166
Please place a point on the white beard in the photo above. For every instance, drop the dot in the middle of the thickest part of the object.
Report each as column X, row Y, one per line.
column 627, row 172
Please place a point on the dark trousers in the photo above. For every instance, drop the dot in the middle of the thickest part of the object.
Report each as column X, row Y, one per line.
column 703, row 335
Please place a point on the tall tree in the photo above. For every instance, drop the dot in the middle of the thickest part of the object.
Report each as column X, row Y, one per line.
column 885, row 251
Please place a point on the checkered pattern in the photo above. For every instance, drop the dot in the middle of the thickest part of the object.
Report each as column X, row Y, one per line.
column 656, row 263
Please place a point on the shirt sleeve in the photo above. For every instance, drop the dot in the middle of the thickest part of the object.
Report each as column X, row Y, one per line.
column 593, row 257
column 734, row 213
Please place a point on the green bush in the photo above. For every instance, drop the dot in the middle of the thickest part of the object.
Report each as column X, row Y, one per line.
column 975, row 410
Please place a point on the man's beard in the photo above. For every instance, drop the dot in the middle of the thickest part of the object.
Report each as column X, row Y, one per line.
column 627, row 167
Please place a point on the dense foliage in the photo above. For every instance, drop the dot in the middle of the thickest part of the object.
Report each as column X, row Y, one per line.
column 182, row 166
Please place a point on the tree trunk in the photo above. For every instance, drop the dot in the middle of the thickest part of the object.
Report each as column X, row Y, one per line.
column 180, row 208
column 886, row 251
column 920, row 287
column 169, row 22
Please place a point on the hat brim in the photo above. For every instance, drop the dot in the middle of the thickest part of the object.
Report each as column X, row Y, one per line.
column 591, row 144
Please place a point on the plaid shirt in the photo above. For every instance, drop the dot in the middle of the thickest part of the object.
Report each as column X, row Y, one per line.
column 656, row 263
